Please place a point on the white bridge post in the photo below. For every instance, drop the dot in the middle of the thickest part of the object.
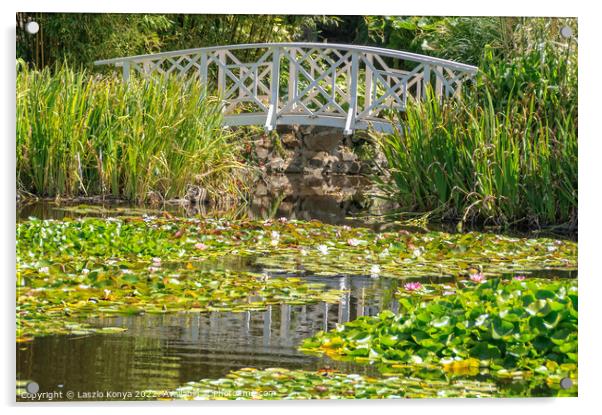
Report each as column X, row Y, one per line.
column 221, row 78
column 203, row 71
column 368, row 73
column 292, row 77
column 426, row 80
column 352, row 111
column 270, row 122
column 221, row 73
column 126, row 71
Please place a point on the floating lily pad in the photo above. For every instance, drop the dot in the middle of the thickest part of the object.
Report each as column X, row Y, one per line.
column 278, row 383
column 496, row 327
column 290, row 246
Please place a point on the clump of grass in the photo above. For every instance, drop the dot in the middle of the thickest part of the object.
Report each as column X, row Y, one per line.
column 506, row 154
column 85, row 134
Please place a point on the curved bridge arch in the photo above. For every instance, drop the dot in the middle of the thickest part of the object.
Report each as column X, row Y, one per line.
column 335, row 85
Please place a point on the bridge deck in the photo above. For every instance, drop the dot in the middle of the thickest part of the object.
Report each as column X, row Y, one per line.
column 269, row 84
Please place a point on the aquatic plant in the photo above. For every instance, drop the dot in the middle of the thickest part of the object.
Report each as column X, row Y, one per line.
column 279, row 383
column 506, row 328
column 61, row 297
column 506, row 154
column 302, row 246
column 85, row 134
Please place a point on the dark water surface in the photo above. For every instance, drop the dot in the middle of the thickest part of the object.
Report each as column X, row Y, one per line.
column 337, row 200
column 165, row 351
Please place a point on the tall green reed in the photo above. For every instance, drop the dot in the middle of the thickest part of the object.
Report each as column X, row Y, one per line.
column 85, row 134
column 506, row 154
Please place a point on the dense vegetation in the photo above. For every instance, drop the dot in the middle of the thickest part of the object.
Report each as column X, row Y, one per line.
column 515, row 328
column 507, row 153
column 279, row 383
column 84, row 134
column 80, row 39
column 293, row 245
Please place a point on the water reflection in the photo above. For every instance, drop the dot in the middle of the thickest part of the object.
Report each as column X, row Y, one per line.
column 165, row 351
column 328, row 199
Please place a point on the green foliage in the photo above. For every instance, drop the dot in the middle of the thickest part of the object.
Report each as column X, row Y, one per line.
column 57, row 298
column 81, row 38
column 456, row 38
column 80, row 134
column 292, row 246
column 278, row 383
column 507, row 153
column 512, row 328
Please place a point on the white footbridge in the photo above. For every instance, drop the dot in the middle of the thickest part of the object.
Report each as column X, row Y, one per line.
column 269, row 84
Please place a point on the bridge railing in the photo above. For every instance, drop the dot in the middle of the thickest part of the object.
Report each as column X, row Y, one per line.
column 347, row 86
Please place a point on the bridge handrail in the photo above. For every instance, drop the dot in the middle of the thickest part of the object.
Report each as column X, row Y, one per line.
column 385, row 86
column 357, row 48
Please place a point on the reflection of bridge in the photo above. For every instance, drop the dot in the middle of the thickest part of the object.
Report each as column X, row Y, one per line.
column 345, row 86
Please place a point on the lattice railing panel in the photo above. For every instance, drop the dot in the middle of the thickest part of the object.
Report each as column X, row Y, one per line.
column 337, row 85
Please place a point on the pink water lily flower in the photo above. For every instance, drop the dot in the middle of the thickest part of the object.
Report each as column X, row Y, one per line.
column 520, row 278
column 200, row 246
column 412, row 286
column 478, row 277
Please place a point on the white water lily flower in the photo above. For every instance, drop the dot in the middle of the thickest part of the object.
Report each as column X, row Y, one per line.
column 374, row 270
column 303, row 252
column 416, row 359
column 481, row 319
column 126, row 271
column 85, row 271
column 417, row 252
column 323, row 249
column 353, row 242
column 44, row 270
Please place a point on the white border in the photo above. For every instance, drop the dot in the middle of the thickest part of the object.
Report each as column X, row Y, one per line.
column 590, row 152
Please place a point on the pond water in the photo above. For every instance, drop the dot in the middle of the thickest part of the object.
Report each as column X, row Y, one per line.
column 336, row 200
column 162, row 352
